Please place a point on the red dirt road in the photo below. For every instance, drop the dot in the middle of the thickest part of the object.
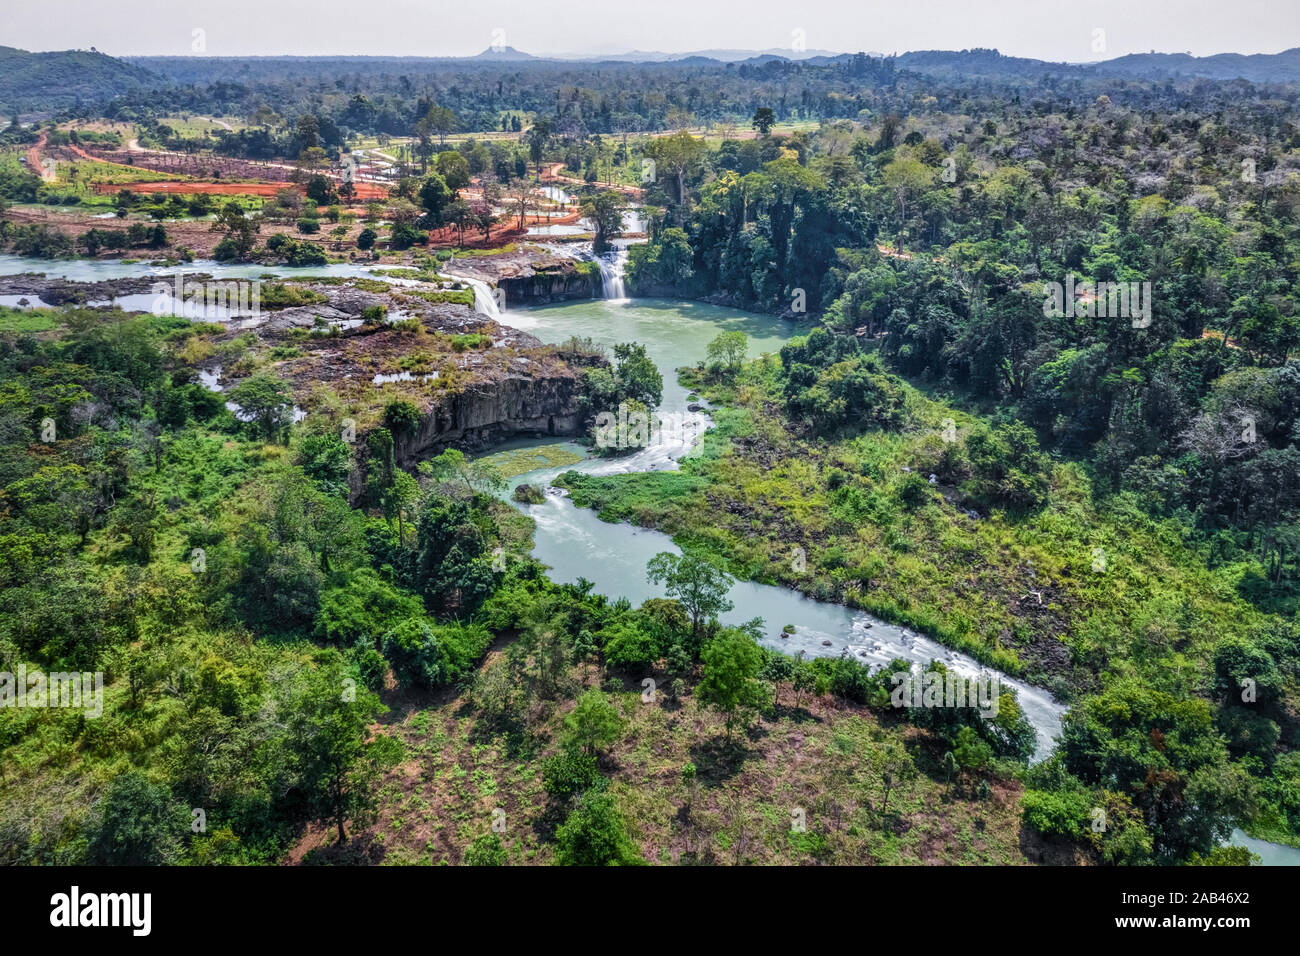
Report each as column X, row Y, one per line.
column 34, row 158
column 365, row 191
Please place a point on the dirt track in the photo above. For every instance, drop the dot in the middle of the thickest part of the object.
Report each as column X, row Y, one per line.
column 34, row 159
column 365, row 191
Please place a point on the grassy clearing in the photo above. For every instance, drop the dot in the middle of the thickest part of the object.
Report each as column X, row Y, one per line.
column 809, row 766
column 509, row 247
column 444, row 296
column 27, row 320
column 190, row 126
column 82, row 172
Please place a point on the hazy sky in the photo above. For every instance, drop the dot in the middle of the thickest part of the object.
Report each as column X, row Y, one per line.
column 1048, row 29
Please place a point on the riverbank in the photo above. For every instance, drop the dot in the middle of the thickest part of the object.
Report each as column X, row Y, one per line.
column 1028, row 597
column 576, row 544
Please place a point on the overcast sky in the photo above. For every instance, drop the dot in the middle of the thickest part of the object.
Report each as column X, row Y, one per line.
column 1048, row 29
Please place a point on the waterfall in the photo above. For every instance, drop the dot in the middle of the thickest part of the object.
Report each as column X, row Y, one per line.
column 612, row 265
column 484, row 299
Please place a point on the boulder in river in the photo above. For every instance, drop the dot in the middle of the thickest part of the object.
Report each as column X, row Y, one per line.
column 529, row 494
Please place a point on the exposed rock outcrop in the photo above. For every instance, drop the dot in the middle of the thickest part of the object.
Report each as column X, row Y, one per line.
column 535, row 278
column 56, row 291
column 490, row 411
column 564, row 280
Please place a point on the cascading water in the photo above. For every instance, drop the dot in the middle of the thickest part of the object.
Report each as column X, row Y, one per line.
column 612, row 266
column 485, row 300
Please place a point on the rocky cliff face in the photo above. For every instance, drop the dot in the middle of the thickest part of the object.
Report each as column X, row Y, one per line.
column 485, row 413
column 565, row 281
column 491, row 411
column 533, row 278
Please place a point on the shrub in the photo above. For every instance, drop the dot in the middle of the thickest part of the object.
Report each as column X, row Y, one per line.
column 355, row 614
column 529, row 494
column 427, row 655
column 593, row 723
column 568, row 773
column 403, row 237
column 137, row 824
column 1057, row 814
column 913, row 491
column 372, row 667
column 595, row 835
column 486, row 850
column 630, row 648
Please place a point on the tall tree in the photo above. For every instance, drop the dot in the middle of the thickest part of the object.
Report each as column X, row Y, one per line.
column 605, row 210
column 338, row 765
column 594, row 722
column 676, row 156
column 267, row 400
column 538, row 137
column 730, row 681
column 696, row 582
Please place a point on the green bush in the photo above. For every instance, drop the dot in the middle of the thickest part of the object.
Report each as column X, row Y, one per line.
column 595, row 835
column 569, row 772
column 486, row 850
column 1062, row 814
column 529, row 494
column 428, row 655
column 630, row 647
column 362, row 608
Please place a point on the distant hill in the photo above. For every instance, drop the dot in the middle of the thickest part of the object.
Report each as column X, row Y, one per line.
column 722, row 56
column 507, row 53
column 954, row 65
column 977, row 62
column 52, row 81
column 47, row 82
column 1281, row 67
column 1259, row 67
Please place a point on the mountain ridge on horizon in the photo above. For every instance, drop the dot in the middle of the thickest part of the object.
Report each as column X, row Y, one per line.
column 1283, row 66
column 722, row 54
column 27, row 78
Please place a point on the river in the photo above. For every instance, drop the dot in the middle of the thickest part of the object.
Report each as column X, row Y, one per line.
column 575, row 543
column 99, row 270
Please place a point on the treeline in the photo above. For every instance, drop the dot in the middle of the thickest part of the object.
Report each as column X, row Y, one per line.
column 375, row 98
